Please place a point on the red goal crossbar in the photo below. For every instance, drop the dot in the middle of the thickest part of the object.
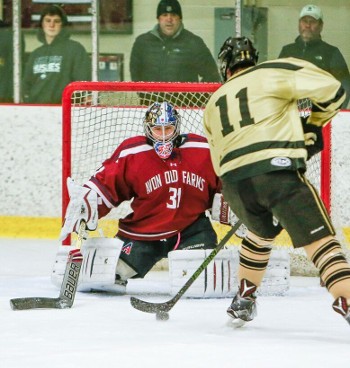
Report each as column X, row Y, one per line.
column 79, row 96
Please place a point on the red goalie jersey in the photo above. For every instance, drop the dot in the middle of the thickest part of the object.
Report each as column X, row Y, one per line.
column 168, row 195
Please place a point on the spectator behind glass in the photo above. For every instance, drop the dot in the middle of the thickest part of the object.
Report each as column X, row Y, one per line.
column 6, row 62
column 309, row 46
column 56, row 63
column 171, row 53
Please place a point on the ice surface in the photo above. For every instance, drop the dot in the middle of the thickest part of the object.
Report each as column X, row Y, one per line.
column 102, row 331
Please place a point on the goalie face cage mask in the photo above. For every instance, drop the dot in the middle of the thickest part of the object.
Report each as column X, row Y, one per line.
column 162, row 126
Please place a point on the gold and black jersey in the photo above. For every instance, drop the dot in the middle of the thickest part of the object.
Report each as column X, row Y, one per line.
column 252, row 121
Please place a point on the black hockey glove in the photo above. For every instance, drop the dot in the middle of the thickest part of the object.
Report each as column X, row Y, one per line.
column 313, row 138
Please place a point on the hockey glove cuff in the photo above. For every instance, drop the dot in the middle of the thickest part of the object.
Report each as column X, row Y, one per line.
column 82, row 206
column 222, row 212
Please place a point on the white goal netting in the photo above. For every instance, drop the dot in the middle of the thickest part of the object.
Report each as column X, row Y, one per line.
column 98, row 116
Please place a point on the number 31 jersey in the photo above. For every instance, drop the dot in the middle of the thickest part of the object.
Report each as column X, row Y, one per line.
column 168, row 195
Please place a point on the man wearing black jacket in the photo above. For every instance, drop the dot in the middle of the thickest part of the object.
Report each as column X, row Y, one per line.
column 171, row 53
column 310, row 46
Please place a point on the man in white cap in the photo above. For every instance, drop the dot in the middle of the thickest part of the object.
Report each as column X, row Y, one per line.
column 310, row 46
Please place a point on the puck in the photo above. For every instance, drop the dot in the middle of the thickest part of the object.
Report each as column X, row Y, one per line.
column 162, row 316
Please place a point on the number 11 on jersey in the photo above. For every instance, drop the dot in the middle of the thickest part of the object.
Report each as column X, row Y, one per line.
column 246, row 118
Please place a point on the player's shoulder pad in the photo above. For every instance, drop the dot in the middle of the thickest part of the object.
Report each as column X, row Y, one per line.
column 133, row 141
column 191, row 140
column 132, row 145
column 192, row 137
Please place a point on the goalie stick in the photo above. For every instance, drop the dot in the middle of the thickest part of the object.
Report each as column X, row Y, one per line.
column 69, row 284
column 149, row 307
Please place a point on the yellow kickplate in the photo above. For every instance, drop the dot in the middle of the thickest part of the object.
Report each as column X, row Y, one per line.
column 30, row 227
column 49, row 228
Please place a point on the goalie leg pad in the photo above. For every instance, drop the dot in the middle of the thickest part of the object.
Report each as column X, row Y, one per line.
column 100, row 258
column 99, row 263
column 60, row 264
column 219, row 280
column 216, row 281
column 276, row 280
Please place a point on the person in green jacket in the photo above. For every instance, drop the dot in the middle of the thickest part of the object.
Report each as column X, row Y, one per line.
column 56, row 63
column 171, row 53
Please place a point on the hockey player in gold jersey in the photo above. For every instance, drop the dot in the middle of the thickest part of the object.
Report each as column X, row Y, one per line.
column 259, row 149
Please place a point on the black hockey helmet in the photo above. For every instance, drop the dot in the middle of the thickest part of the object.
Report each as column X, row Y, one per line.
column 235, row 53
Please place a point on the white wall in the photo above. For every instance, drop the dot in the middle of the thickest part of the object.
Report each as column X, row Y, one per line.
column 30, row 172
column 30, row 148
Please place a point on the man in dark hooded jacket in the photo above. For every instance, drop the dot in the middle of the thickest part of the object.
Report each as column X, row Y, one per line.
column 171, row 53
column 56, row 63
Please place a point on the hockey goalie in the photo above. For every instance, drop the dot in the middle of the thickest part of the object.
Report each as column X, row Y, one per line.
column 171, row 182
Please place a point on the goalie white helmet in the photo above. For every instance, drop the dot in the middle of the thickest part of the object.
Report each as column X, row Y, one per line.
column 162, row 127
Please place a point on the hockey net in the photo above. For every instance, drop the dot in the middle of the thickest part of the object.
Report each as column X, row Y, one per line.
column 98, row 116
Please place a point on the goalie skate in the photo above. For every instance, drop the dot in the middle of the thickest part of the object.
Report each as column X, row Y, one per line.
column 341, row 306
column 243, row 306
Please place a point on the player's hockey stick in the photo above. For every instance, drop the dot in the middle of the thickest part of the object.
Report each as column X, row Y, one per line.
column 68, row 288
column 149, row 307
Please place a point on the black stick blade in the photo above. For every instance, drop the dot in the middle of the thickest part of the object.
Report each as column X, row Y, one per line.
column 149, row 307
column 38, row 303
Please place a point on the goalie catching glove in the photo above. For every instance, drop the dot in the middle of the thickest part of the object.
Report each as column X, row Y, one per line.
column 82, row 207
column 222, row 212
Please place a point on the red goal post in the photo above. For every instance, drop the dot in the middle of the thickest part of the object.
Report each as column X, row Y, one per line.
column 97, row 116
